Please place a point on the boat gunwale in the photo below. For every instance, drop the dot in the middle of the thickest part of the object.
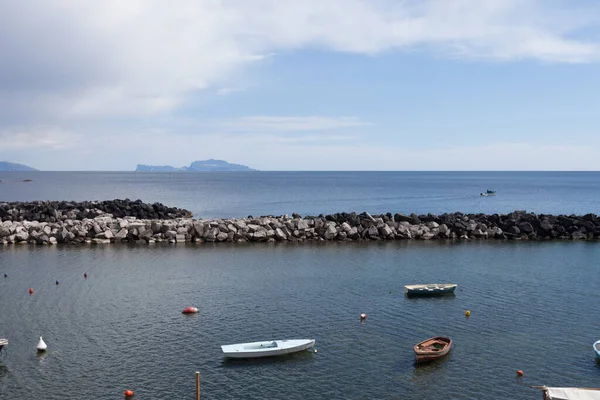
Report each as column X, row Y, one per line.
column 426, row 355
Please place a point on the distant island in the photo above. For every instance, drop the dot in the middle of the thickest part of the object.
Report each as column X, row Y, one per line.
column 196, row 166
column 9, row 166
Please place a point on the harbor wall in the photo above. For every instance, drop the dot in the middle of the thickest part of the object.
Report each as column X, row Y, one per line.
column 116, row 221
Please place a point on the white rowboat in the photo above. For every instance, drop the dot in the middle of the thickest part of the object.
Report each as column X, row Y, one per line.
column 597, row 348
column 266, row 349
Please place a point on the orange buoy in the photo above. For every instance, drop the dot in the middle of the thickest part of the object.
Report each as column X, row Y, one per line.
column 363, row 316
column 190, row 310
column 30, row 290
column 520, row 373
column 128, row 393
column 85, row 275
column 467, row 313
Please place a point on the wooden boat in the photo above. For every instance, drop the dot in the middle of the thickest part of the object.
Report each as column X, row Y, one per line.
column 431, row 289
column 266, row 349
column 597, row 348
column 432, row 348
column 569, row 393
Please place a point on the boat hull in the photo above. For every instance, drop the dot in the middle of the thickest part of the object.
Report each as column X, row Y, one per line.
column 429, row 290
column 269, row 348
column 432, row 349
column 597, row 349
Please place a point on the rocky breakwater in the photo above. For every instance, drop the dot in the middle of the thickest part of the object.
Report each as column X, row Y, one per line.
column 56, row 211
column 104, row 228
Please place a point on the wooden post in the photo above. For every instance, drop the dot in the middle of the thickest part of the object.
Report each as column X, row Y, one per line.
column 197, row 385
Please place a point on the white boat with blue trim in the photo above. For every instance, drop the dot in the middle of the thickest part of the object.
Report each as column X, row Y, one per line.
column 267, row 348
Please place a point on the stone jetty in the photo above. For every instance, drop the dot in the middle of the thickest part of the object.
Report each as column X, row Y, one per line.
column 117, row 221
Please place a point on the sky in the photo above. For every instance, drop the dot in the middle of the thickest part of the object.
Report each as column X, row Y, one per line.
column 301, row 84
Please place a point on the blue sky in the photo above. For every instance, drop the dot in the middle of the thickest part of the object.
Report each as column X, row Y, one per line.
column 301, row 85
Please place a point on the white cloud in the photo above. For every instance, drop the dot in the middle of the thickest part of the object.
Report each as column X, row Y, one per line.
column 38, row 137
column 144, row 56
column 289, row 123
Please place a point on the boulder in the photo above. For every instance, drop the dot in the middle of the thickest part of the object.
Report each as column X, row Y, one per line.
column 280, row 235
column 222, row 236
column 385, row 231
column 302, row 224
column 330, row 232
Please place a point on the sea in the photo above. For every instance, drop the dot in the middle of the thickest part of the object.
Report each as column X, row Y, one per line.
column 533, row 305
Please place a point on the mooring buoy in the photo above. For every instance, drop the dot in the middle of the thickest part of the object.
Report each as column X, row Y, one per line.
column 41, row 346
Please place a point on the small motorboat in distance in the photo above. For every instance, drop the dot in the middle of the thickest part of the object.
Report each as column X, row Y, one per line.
column 432, row 348
column 488, row 193
column 431, row 289
column 597, row 348
column 266, row 349
column 3, row 342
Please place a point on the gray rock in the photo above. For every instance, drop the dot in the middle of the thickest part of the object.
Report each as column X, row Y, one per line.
column 22, row 236
column 428, row 236
column 280, row 235
column 222, row 236
column 122, row 234
column 260, row 235
column 373, row 232
column 330, row 232
column 198, row 228
column 254, row 228
column 353, row 233
column 4, row 231
column 302, row 224
column 385, row 231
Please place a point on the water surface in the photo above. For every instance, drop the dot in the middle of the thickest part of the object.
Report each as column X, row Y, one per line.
column 533, row 308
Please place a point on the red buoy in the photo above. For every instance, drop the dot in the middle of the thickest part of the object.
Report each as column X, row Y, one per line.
column 30, row 290
column 129, row 393
column 190, row 310
column 520, row 373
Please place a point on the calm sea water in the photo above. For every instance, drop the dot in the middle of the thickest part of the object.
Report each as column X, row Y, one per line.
column 533, row 308
column 235, row 194
column 533, row 304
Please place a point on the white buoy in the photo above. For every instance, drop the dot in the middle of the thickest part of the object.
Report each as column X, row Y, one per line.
column 41, row 346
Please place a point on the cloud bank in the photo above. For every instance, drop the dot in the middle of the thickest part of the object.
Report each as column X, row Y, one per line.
column 69, row 65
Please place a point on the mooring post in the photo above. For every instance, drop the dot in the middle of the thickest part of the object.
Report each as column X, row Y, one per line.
column 197, row 385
